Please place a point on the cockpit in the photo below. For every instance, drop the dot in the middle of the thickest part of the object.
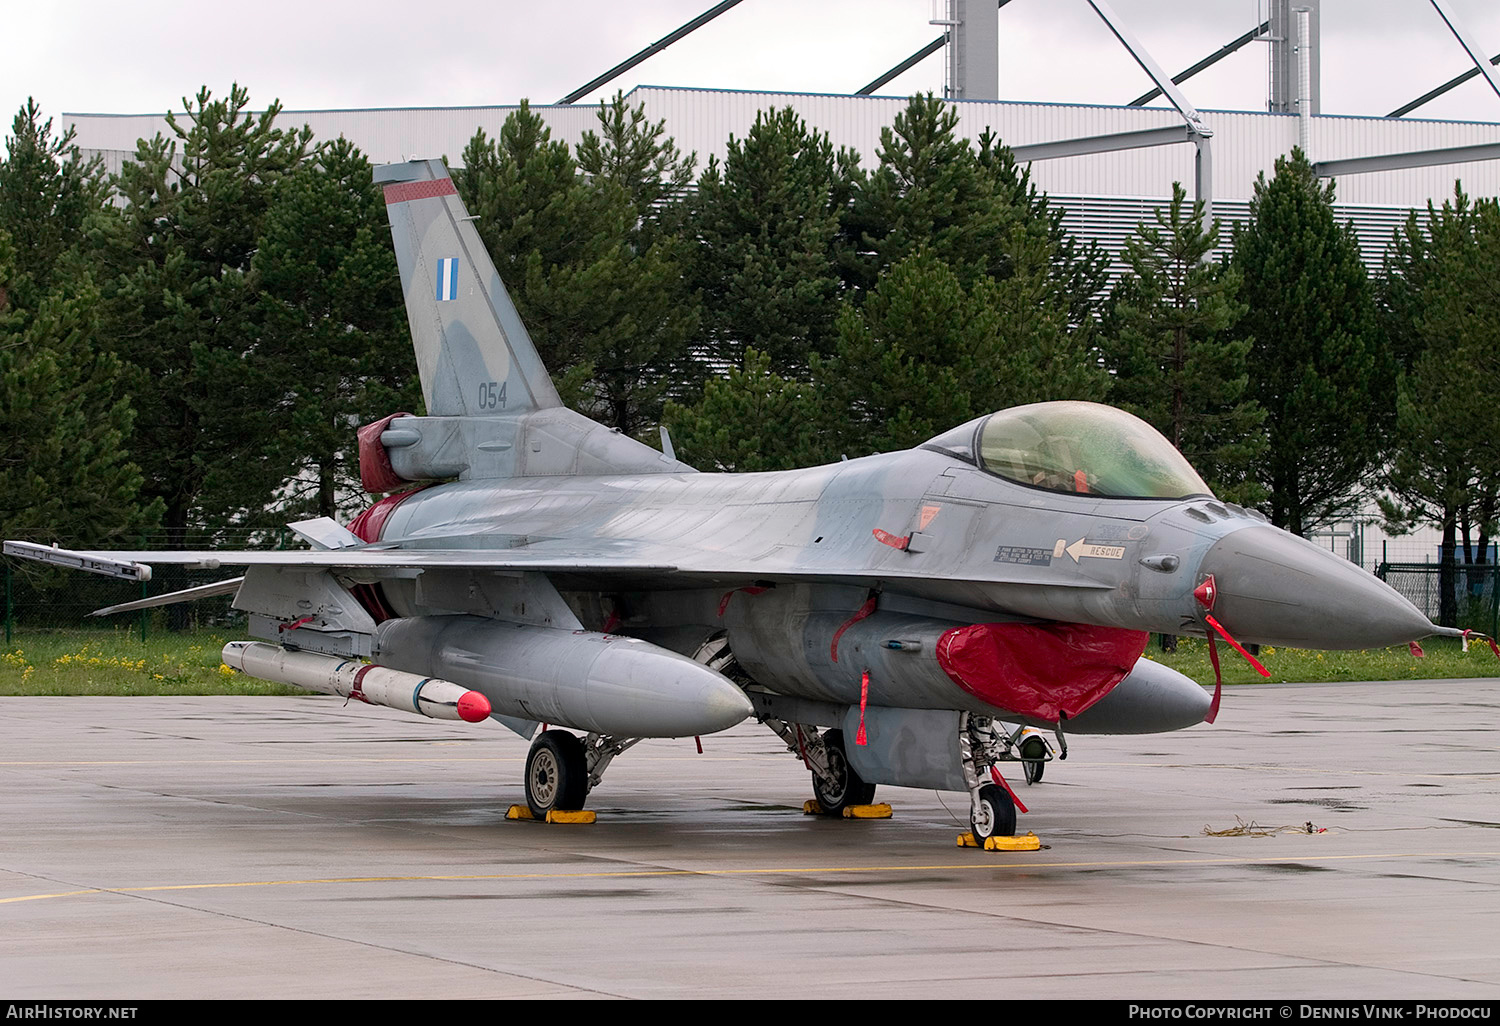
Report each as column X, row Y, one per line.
column 1075, row 447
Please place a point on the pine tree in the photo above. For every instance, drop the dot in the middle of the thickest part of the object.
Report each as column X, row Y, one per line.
column 926, row 352
column 1167, row 342
column 638, row 156
column 184, row 314
column 64, row 473
column 751, row 420
column 1442, row 295
column 766, row 223
column 49, row 197
column 603, row 306
column 1318, row 366
column 335, row 346
column 931, row 193
column 1080, row 269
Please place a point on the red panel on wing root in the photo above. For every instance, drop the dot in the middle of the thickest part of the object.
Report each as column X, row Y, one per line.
column 375, row 471
column 1039, row 670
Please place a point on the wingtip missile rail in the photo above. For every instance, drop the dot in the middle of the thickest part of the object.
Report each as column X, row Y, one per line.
column 88, row 561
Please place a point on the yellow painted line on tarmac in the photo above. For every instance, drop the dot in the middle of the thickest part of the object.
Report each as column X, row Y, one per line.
column 756, row 871
column 335, row 760
column 249, row 762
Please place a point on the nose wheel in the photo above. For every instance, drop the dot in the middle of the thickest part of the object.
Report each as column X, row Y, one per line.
column 993, row 814
column 557, row 775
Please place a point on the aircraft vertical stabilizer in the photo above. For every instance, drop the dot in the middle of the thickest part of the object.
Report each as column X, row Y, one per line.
column 474, row 355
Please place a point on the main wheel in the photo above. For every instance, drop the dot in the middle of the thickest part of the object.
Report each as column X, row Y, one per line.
column 1033, row 748
column 557, row 774
column 847, row 788
column 996, row 815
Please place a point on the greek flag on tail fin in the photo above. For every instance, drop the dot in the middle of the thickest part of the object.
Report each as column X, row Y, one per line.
column 447, row 279
column 474, row 356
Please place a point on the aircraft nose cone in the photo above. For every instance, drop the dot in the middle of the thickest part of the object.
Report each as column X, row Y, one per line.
column 1277, row 589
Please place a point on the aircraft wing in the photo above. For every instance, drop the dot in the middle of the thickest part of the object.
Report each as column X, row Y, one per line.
column 136, row 564
column 633, row 560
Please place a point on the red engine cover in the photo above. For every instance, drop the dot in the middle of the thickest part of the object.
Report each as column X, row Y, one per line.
column 1045, row 671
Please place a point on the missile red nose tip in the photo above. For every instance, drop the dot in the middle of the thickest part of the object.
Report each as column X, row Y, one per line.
column 473, row 707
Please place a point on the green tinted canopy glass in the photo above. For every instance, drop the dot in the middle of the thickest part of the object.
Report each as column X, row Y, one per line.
column 1085, row 448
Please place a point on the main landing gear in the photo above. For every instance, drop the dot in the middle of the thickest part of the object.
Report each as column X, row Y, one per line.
column 842, row 786
column 836, row 784
column 561, row 769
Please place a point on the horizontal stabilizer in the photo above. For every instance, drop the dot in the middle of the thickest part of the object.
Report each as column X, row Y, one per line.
column 171, row 598
column 325, row 533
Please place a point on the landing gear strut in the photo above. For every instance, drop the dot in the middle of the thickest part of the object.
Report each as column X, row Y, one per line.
column 992, row 810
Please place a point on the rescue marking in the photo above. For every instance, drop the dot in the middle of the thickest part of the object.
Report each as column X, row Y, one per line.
column 928, row 513
column 1082, row 549
column 756, row 871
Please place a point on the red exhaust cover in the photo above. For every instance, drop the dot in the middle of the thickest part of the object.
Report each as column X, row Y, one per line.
column 375, row 471
column 1045, row 671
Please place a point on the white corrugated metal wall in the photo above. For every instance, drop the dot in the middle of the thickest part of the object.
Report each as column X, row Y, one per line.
column 1105, row 194
column 702, row 120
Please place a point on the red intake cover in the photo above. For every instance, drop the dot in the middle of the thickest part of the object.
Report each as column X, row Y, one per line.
column 1044, row 671
column 375, row 471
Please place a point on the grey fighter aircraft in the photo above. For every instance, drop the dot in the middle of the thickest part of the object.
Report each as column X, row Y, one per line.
column 898, row 618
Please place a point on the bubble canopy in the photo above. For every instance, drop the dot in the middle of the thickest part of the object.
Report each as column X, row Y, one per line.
column 1082, row 449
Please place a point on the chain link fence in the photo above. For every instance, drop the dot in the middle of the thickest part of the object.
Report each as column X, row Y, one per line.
column 1473, row 591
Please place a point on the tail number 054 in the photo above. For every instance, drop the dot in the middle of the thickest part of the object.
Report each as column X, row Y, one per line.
column 492, row 395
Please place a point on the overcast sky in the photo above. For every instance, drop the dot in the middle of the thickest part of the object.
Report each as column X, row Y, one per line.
column 107, row 56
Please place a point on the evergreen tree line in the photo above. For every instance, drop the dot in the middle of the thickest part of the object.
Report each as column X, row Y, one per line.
column 187, row 346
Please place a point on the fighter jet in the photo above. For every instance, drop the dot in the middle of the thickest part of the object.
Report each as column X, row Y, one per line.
column 901, row 618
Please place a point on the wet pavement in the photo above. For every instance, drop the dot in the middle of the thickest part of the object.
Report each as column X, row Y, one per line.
column 264, row 847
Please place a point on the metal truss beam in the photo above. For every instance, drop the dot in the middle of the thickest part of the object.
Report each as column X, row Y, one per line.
column 1205, row 63
column 655, row 48
column 1103, row 143
column 912, row 61
column 1150, row 67
column 1398, row 161
column 1202, row 165
column 1456, row 80
column 1469, row 44
column 905, row 66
